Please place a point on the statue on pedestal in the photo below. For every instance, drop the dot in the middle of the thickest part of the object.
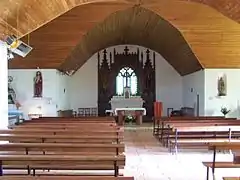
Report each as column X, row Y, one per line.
column 38, row 84
column 222, row 86
column 11, row 92
column 127, row 92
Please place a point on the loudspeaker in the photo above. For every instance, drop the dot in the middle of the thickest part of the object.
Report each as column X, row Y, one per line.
column 17, row 46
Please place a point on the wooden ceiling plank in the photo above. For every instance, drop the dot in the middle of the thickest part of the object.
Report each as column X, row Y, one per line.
column 211, row 36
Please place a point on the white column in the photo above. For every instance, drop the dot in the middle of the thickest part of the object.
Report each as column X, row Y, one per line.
column 3, row 86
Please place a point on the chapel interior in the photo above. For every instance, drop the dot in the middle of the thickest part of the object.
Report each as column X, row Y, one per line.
column 119, row 89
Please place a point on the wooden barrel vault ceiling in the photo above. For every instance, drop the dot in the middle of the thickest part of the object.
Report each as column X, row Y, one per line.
column 190, row 34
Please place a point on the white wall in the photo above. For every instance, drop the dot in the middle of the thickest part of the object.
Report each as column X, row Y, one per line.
column 53, row 98
column 81, row 89
column 83, row 85
column 63, row 101
column 213, row 103
column 62, row 92
column 168, row 85
column 193, row 84
column 3, row 86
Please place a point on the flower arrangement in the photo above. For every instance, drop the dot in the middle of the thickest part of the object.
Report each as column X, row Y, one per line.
column 129, row 119
column 224, row 111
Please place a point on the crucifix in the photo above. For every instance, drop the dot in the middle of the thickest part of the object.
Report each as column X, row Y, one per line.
column 127, row 79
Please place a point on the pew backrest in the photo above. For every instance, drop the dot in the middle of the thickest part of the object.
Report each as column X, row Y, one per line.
column 64, row 178
column 60, row 138
column 62, row 148
column 224, row 146
column 207, row 129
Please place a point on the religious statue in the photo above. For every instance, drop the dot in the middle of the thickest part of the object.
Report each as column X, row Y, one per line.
column 127, row 92
column 221, row 87
column 11, row 92
column 38, row 84
column 12, row 98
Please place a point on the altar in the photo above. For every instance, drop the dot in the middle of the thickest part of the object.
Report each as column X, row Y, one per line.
column 123, row 106
column 121, row 113
column 122, row 102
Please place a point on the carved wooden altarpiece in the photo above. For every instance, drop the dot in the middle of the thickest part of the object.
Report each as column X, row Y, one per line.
column 108, row 69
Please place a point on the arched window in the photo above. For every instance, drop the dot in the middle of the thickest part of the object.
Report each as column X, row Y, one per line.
column 126, row 78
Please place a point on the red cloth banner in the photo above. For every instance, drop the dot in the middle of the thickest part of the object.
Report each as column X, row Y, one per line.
column 158, row 108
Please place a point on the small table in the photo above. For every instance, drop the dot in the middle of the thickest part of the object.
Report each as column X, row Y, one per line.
column 122, row 112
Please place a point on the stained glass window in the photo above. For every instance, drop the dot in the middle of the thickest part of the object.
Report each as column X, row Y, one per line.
column 126, row 78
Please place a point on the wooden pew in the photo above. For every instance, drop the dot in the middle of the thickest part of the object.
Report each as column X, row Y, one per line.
column 85, row 117
column 169, row 126
column 87, row 132
column 72, row 126
column 65, row 178
column 67, row 121
column 79, row 131
column 216, row 146
column 59, row 119
column 62, row 148
column 60, row 138
column 224, row 146
column 88, row 119
column 231, row 178
column 59, row 149
column 164, row 126
column 209, row 165
column 94, row 124
column 158, row 120
column 225, row 133
column 66, row 162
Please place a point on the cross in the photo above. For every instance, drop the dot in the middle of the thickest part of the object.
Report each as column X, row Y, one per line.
column 126, row 50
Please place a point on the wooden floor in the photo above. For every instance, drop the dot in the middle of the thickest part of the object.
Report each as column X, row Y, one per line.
column 148, row 160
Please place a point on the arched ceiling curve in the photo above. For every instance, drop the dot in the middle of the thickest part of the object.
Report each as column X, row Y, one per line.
column 138, row 26
column 32, row 14
column 214, row 39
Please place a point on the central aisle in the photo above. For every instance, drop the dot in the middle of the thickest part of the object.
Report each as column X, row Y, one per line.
column 146, row 159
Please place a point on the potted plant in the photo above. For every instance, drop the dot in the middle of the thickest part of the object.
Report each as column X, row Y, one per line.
column 129, row 119
column 224, row 111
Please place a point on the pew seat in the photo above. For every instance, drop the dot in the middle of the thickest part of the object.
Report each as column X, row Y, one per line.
column 197, row 136
column 66, row 162
column 158, row 122
column 64, row 178
column 62, row 148
column 60, row 138
column 231, row 178
column 196, row 143
column 209, row 165
column 84, row 132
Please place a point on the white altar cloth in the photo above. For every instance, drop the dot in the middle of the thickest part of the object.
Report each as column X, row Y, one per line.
column 130, row 109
